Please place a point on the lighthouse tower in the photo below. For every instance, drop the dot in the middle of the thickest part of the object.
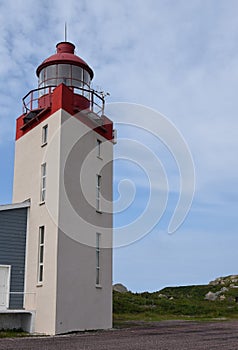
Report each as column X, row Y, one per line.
column 63, row 167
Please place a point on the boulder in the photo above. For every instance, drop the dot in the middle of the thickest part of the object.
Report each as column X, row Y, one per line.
column 118, row 287
column 211, row 296
column 162, row 296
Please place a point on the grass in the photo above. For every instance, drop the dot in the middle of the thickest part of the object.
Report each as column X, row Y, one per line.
column 183, row 303
column 13, row 333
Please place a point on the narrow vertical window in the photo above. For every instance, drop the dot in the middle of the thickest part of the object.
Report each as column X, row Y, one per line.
column 98, row 258
column 41, row 254
column 43, row 182
column 44, row 135
column 98, row 190
column 99, row 144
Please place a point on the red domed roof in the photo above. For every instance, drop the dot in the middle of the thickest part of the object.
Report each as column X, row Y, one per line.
column 65, row 54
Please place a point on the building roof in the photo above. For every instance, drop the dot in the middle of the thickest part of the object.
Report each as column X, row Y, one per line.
column 25, row 204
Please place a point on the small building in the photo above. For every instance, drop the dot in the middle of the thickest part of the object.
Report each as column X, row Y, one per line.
column 56, row 239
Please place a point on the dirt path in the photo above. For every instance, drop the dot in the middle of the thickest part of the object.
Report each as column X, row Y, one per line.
column 168, row 335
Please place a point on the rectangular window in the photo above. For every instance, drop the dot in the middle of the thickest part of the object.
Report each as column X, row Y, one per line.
column 99, row 144
column 41, row 254
column 44, row 135
column 98, row 236
column 98, row 190
column 43, row 182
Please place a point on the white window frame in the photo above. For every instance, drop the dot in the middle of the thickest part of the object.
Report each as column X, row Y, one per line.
column 44, row 135
column 41, row 252
column 43, row 183
column 98, row 192
column 98, row 258
column 99, row 148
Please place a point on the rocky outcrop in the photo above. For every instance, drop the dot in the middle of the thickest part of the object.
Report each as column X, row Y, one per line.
column 229, row 280
column 213, row 296
column 118, row 287
column 228, row 283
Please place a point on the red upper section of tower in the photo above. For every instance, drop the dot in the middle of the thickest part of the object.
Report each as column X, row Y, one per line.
column 64, row 83
column 64, row 98
column 65, row 54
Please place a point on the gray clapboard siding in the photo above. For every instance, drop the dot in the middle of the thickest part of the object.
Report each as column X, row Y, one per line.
column 13, row 226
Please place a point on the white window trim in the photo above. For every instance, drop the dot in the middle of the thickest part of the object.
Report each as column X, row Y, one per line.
column 45, row 131
column 98, row 258
column 99, row 149
column 43, row 186
column 98, row 192
column 41, row 245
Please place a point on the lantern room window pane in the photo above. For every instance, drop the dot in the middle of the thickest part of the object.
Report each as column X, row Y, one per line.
column 77, row 73
column 51, row 82
column 65, row 81
column 42, row 76
column 64, row 71
column 86, row 77
column 77, row 83
column 50, row 72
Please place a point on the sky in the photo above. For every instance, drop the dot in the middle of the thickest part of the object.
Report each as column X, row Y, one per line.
column 173, row 61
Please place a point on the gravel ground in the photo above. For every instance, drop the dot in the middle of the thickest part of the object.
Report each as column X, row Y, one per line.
column 168, row 335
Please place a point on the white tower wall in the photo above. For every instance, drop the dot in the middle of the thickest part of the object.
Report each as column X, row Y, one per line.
column 68, row 298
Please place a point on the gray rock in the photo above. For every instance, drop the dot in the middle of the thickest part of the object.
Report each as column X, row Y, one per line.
column 211, row 296
column 118, row 287
column 162, row 296
column 224, row 280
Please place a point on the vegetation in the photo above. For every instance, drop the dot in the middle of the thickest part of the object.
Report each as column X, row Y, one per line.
column 187, row 303
column 12, row 333
column 172, row 303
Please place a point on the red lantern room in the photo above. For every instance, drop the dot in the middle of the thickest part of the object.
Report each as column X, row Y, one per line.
column 64, row 81
column 67, row 68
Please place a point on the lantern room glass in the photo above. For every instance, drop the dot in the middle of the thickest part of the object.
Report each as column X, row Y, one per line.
column 68, row 74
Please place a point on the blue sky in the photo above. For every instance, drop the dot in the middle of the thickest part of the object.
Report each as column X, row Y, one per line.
column 178, row 57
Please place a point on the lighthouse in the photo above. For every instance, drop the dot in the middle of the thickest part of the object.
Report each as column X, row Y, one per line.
column 63, row 171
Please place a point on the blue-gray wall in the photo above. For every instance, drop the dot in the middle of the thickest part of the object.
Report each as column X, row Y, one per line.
column 13, row 226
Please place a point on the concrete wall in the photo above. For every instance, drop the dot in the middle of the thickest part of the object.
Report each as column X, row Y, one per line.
column 17, row 320
column 68, row 299
column 81, row 304
column 29, row 155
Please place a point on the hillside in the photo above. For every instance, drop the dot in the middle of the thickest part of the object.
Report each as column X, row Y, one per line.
column 217, row 300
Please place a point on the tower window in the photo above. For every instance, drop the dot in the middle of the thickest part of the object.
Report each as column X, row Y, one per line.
column 98, row 277
column 44, row 135
column 43, row 183
column 41, row 253
column 99, row 148
column 98, row 193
